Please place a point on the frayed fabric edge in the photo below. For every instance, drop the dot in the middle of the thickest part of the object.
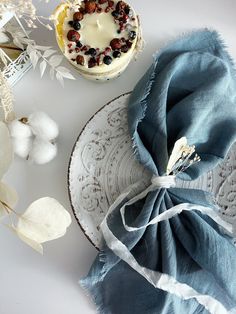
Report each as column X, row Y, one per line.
column 95, row 298
column 220, row 44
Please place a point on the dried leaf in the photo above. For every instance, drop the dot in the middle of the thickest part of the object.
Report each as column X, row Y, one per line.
column 55, row 60
column 8, row 195
column 65, row 73
column 6, row 150
column 34, row 58
column 42, row 48
column 49, row 27
column 44, row 220
column 29, row 49
column 59, row 77
column 18, row 43
column 48, row 53
column 42, row 67
column 33, row 244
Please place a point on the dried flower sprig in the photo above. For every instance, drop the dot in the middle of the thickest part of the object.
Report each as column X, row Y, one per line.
column 25, row 10
column 182, row 157
column 6, row 99
column 48, row 56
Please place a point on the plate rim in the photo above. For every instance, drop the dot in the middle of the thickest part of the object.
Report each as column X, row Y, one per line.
column 70, row 160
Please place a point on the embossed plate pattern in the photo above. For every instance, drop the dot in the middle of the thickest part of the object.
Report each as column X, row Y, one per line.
column 102, row 165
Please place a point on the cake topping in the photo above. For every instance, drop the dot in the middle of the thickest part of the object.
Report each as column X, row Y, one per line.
column 107, row 60
column 116, row 43
column 132, row 35
column 92, row 62
column 78, row 44
column 121, row 5
column 107, row 29
column 73, row 35
column 78, row 16
column 80, row 59
column 125, row 48
column 110, row 3
column 76, row 25
column 116, row 54
column 91, row 52
column 90, row 7
column 115, row 14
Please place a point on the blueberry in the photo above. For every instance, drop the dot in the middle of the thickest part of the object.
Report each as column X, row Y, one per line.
column 76, row 25
column 78, row 44
column 124, row 48
column 107, row 60
column 127, row 10
column 92, row 52
column 132, row 35
column 70, row 23
column 118, row 31
column 116, row 54
column 115, row 14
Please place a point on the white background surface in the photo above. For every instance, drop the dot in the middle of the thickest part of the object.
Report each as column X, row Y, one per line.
column 34, row 284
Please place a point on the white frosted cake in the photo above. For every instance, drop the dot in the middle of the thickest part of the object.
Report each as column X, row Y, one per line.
column 98, row 37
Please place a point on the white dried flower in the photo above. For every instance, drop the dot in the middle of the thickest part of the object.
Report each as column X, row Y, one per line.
column 182, row 157
column 43, row 126
column 42, row 151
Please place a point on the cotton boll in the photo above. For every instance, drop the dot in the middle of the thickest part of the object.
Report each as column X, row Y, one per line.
column 42, row 151
column 22, row 146
column 19, row 130
column 43, row 126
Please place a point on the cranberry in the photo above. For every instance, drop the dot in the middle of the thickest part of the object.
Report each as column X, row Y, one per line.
column 78, row 16
column 92, row 62
column 121, row 5
column 73, row 36
column 80, row 60
column 90, row 7
column 110, row 3
column 115, row 43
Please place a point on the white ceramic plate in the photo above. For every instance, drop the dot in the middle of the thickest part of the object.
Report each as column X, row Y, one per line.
column 102, row 165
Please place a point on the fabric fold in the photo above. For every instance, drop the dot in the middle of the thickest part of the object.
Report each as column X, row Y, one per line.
column 189, row 91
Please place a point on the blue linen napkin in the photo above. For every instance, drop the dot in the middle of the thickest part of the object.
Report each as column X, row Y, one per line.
column 190, row 90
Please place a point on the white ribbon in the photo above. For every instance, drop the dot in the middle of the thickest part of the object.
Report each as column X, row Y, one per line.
column 160, row 280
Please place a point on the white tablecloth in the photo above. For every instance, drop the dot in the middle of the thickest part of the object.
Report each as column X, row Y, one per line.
column 34, row 284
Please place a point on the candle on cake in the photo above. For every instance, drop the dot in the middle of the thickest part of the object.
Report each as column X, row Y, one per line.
column 99, row 37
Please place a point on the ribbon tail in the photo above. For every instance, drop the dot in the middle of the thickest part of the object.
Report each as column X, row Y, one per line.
column 168, row 214
column 159, row 280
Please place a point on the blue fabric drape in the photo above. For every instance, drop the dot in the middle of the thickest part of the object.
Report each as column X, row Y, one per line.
column 190, row 90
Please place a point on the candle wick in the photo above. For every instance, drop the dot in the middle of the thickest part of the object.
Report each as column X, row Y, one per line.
column 98, row 24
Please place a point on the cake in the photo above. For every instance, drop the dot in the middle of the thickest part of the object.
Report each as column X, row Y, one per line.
column 99, row 37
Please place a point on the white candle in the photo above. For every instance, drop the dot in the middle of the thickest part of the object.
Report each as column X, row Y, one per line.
column 98, row 29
